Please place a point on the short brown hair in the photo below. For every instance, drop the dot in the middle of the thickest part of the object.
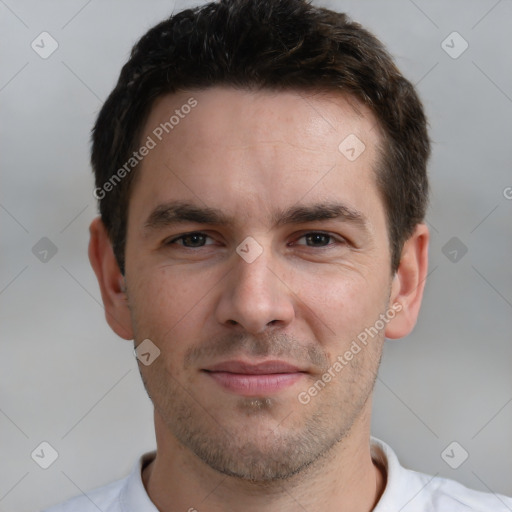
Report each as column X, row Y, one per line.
column 275, row 45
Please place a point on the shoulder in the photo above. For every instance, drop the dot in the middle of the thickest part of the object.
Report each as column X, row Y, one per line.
column 124, row 495
column 444, row 494
column 106, row 499
column 411, row 491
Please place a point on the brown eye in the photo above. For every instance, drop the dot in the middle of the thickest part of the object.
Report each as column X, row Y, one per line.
column 190, row 240
column 317, row 239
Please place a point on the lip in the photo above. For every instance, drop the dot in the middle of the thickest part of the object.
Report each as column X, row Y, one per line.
column 253, row 379
column 263, row 368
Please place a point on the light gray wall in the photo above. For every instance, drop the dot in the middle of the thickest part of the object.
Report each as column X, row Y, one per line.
column 66, row 379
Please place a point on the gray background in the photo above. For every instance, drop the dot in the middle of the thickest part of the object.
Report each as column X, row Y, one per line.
column 68, row 380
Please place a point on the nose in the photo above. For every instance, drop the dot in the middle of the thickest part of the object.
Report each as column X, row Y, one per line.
column 255, row 296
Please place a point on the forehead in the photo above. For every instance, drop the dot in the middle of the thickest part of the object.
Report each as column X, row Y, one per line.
column 242, row 115
column 223, row 146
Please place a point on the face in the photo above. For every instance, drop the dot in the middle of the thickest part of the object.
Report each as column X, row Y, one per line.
column 256, row 254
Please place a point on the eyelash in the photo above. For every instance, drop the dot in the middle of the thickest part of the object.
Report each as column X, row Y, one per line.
column 338, row 240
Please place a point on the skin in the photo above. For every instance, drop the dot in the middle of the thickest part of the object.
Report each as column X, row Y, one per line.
column 303, row 300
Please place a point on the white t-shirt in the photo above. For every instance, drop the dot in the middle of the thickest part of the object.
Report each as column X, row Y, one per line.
column 406, row 491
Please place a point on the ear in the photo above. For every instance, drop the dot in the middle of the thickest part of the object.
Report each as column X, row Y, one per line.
column 408, row 283
column 110, row 279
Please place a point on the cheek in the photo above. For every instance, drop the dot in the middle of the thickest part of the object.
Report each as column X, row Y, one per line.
column 169, row 309
column 167, row 303
column 340, row 304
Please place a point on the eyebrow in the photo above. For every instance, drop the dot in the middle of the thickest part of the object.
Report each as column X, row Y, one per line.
column 176, row 212
column 320, row 211
column 179, row 212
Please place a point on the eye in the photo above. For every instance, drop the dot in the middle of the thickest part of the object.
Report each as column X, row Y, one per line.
column 191, row 240
column 318, row 239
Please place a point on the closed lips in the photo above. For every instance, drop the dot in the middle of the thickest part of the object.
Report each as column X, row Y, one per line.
column 245, row 368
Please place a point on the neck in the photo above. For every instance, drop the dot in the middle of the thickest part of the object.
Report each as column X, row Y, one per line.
column 344, row 479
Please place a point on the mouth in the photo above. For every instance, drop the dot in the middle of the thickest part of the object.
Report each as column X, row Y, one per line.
column 249, row 379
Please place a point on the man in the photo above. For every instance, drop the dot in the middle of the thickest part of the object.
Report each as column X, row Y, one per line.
column 261, row 173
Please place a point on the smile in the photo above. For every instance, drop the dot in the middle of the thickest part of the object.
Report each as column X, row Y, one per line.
column 254, row 379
